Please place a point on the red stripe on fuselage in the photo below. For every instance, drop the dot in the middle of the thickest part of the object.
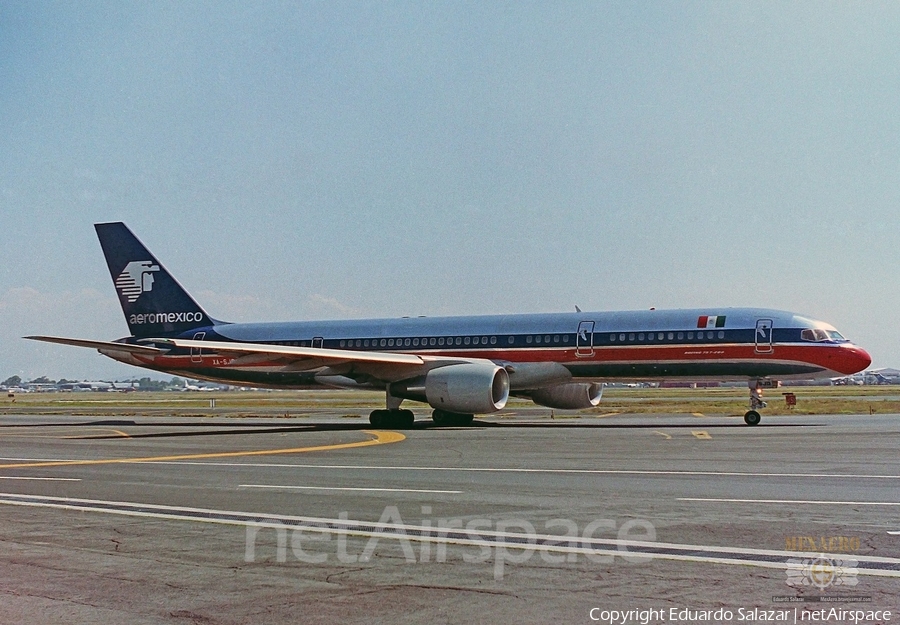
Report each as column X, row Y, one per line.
column 843, row 359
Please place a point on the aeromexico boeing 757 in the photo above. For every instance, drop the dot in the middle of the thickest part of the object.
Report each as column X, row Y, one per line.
column 462, row 366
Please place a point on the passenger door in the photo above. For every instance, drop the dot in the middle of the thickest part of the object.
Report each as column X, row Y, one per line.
column 197, row 352
column 584, row 339
column 764, row 336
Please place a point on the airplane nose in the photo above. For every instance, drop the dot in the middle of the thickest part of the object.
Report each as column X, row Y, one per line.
column 852, row 360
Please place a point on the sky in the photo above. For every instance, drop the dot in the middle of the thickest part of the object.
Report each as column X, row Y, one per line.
column 329, row 160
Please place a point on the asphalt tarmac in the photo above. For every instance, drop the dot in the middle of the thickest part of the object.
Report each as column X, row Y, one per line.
column 323, row 520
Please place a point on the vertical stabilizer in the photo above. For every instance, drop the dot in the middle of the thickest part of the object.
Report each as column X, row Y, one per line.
column 155, row 305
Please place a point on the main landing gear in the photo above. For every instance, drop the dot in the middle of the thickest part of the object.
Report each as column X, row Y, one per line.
column 395, row 418
column 442, row 417
column 751, row 417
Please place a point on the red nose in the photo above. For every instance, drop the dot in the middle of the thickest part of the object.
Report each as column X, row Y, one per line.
column 851, row 359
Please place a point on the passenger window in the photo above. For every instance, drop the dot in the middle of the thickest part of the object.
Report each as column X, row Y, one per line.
column 406, row 342
column 721, row 334
column 432, row 341
column 547, row 339
column 528, row 339
column 631, row 337
column 612, row 338
column 565, row 338
column 671, row 336
column 484, row 340
column 467, row 340
column 556, row 338
column 641, row 336
column 681, row 336
column 494, row 340
column 690, row 336
column 343, row 343
column 441, row 341
column 537, row 339
column 621, row 337
column 458, row 340
column 390, row 342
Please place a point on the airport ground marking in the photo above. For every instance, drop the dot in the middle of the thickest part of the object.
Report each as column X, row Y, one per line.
column 381, row 437
column 878, row 566
column 41, row 479
column 347, row 488
column 375, row 467
column 791, row 501
column 80, row 437
column 668, row 436
column 701, row 434
column 662, row 472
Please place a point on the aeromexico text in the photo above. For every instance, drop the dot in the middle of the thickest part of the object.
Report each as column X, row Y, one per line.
column 165, row 317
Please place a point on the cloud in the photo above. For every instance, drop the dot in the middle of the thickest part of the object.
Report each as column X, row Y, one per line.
column 84, row 313
column 239, row 308
column 322, row 306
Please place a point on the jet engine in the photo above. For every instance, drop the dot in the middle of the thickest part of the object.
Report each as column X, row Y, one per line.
column 461, row 388
column 569, row 396
column 468, row 387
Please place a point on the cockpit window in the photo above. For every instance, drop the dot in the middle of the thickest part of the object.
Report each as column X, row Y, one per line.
column 817, row 334
column 813, row 334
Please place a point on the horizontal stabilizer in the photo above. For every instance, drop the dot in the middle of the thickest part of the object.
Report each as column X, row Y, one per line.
column 100, row 345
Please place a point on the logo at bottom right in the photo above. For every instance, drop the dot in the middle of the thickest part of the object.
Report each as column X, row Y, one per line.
column 821, row 572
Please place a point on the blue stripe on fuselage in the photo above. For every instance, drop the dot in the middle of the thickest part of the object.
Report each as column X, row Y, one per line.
column 557, row 330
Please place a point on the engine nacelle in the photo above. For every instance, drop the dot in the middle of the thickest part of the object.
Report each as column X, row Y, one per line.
column 467, row 388
column 569, row 396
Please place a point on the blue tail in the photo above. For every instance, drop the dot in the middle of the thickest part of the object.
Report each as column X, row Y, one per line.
column 155, row 305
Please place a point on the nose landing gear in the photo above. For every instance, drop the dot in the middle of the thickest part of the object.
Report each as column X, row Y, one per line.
column 751, row 417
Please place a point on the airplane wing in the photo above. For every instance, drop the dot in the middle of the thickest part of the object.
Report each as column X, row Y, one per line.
column 335, row 355
column 111, row 346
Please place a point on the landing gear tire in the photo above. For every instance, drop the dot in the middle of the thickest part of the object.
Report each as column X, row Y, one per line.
column 392, row 418
column 752, row 417
column 449, row 419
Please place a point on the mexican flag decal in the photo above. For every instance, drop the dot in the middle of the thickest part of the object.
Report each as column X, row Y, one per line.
column 705, row 321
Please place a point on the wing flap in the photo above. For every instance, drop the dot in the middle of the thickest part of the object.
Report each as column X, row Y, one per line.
column 336, row 355
column 112, row 346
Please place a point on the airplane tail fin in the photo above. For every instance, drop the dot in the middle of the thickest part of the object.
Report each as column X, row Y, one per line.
column 155, row 305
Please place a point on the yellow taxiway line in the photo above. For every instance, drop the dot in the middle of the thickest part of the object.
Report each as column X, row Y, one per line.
column 381, row 438
column 119, row 432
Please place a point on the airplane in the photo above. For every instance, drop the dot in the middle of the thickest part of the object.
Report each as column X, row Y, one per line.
column 461, row 366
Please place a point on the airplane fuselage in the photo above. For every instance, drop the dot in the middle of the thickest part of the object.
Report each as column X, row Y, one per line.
column 747, row 344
